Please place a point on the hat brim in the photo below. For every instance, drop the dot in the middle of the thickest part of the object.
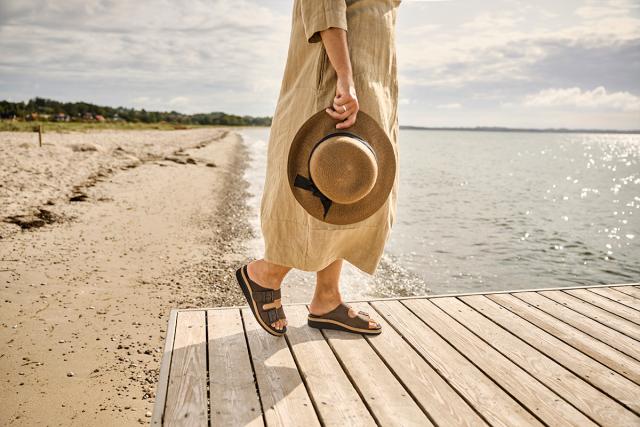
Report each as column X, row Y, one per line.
column 366, row 127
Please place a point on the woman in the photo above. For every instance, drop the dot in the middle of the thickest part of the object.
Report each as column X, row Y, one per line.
column 342, row 58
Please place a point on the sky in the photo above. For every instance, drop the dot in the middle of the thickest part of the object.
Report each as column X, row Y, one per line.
column 535, row 64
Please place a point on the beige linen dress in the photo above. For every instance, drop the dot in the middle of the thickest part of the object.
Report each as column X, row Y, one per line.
column 293, row 237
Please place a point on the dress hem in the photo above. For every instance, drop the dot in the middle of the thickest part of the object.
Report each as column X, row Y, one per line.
column 370, row 271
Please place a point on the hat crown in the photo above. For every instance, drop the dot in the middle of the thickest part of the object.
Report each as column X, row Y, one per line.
column 343, row 168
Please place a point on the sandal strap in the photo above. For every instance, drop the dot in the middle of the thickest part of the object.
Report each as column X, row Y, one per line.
column 363, row 317
column 341, row 314
column 364, row 313
column 359, row 314
column 267, row 296
column 260, row 293
column 276, row 304
column 272, row 314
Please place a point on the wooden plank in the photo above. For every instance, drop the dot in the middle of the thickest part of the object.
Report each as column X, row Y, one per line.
column 605, row 317
column 386, row 398
column 629, row 290
column 335, row 398
column 232, row 389
column 165, row 365
column 441, row 402
column 539, row 399
column 602, row 321
column 187, row 392
column 611, row 382
column 619, row 297
column 488, row 399
column 606, row 304
column 611, row 337
column 285, row 400
column 592, row 402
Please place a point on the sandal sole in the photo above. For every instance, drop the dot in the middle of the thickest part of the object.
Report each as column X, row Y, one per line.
column 320, row 323
column 246, row 290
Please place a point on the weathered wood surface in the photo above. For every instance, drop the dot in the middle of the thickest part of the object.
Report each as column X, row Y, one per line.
column 187, row 389
column 561, row 356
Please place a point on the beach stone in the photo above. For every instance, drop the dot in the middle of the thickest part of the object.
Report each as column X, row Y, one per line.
column 78, row 197
column 176, row 159
column 37, row 219
column 25, row 221
column 83, row 147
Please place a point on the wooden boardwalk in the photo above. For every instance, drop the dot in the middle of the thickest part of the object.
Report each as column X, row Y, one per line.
column 562, row 356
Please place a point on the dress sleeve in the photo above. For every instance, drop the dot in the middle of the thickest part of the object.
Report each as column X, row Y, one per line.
column 318, row 15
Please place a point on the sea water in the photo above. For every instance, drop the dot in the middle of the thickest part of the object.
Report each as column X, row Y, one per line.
column 484, row 211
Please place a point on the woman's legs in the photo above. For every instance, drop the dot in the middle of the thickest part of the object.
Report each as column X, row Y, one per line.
column 327, row 293
column 268, row 275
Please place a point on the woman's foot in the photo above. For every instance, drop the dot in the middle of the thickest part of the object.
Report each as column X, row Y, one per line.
column 259, row 274
column 321, row 306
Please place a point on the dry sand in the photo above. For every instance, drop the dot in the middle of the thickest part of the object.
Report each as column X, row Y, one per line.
column 86, row 285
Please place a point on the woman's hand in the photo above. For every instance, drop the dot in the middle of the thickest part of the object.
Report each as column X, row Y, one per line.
column 345, row 103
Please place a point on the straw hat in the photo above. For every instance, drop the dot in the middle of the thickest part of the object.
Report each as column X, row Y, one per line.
column 341, row 176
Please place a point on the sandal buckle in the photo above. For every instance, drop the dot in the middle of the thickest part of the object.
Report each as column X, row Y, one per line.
column 268, row 296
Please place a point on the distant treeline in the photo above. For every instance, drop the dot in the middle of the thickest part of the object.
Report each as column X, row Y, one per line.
column 42, row 109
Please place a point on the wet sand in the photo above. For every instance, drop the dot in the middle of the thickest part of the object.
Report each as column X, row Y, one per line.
column 134, row 224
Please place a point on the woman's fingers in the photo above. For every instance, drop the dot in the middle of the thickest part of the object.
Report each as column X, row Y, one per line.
column 340, row 113
column 349, row 115
column 339, row 116
column 347, row 123
column 344, row 98
column 344, row 108
column 341, row 107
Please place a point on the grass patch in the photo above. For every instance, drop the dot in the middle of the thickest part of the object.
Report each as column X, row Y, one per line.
column 19, row 126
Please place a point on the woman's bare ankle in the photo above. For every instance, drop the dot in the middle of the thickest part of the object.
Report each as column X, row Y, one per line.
column 324, row 302
column 258, row 272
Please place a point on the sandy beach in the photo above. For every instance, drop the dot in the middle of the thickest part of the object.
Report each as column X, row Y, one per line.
column 101, row 234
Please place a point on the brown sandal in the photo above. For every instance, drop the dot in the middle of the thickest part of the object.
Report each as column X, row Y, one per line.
column 339, row 319
column 264, row 302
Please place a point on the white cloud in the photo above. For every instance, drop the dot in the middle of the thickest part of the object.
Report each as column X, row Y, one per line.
column 450, row 106
column 421, row 30
column 492, row 21
column 597, row 98
column 179, row 101
column 502, row 45
column 140, row 100
column 603, row 9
